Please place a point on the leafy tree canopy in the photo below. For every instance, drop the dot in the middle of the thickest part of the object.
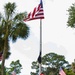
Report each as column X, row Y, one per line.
column 51, row 63
column 14, row 65
column 71, row 18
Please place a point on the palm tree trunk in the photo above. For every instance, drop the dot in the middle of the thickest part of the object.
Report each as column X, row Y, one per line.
column 4, row 51
column 4, row 56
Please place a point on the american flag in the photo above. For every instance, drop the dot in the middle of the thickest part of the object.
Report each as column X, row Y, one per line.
column 38, row 13
column 42, row 74
column 61, row 72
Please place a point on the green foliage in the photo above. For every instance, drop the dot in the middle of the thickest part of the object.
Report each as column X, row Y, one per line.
column 71, row 18
column 54, row 60
column 73, row 66
column 69, row 72
column 50, row 64
column 14, row 65
column 9, row 9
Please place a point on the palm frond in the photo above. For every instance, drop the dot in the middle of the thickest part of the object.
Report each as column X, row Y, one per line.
column 9, row 9
column 20, row 30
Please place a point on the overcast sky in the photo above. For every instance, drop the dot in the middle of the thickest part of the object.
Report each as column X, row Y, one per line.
column 56, row 36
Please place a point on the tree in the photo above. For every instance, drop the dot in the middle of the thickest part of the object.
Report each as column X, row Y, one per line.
column 73, row 66
column 54, row 61
column 14, row 65
column 51, row 63
column 69, row 72
column 12, row 27
column 71, row 69
column 4, row 70
column 71, row 18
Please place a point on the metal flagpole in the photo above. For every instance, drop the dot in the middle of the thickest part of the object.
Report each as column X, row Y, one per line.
column 40, row 66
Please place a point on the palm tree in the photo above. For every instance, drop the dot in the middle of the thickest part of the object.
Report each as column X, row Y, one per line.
column 12, row 27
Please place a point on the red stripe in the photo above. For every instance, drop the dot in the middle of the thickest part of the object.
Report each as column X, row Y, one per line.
column 36, row 14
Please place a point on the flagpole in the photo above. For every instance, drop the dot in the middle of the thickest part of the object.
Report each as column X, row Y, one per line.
column 40, row 66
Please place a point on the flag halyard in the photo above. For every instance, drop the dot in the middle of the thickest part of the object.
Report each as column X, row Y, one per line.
column 38, row 13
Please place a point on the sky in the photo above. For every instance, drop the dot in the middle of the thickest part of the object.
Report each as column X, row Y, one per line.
column 57, row 37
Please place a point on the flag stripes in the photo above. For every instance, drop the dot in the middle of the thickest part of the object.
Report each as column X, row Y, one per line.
column 38, row 13
column 61, row 72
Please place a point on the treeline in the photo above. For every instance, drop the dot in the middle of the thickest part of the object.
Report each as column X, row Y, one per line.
column 51, row 63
